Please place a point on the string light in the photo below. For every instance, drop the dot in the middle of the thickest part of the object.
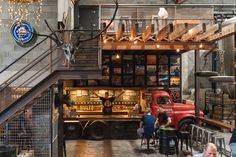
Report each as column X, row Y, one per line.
column 22, row 10
column 117, row 56
column 158, row 46
column 200, row 46
column 177, row 50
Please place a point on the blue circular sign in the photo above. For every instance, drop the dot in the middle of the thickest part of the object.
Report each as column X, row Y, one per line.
column 22, row 32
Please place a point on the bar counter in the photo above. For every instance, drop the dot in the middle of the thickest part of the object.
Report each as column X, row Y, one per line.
column 102, row 118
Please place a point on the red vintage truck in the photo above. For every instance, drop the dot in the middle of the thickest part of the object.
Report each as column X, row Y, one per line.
column 181, row 114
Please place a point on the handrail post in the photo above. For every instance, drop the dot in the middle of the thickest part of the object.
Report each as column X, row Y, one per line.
column 50, row 62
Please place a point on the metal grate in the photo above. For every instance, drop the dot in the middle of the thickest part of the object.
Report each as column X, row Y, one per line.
column 30, row 129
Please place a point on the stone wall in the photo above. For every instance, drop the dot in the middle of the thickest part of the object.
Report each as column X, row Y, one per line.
column 10, row 50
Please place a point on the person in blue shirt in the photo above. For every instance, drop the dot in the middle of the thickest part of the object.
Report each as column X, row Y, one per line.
column 147, row 124
column 210, row 150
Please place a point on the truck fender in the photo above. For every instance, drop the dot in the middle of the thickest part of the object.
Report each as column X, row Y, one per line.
column 184, row 122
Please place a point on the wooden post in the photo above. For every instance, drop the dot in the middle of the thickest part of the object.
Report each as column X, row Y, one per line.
column 197, row 86
column 60, row 120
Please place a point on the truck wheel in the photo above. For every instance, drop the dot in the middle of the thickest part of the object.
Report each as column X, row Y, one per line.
column 97, row 130
column 73, row 131
column 185, row 124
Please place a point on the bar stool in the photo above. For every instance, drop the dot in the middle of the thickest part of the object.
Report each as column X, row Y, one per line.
column 184, row 136
column 147, row 137
column 193, row 132
column 219, row 141
column 207, row 136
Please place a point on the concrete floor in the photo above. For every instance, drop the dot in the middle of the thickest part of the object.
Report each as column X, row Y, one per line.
column 117, row 148
column 109, row 148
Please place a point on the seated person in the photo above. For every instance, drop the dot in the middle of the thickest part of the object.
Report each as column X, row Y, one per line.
column 162, row 120
column 147, row 124
column 210, row 150
column 107, row 102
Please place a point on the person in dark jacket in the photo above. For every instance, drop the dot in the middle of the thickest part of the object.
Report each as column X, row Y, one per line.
column 107, row 102
column 232, row 142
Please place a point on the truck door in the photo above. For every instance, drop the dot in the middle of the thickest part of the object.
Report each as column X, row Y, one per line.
column 168, row 106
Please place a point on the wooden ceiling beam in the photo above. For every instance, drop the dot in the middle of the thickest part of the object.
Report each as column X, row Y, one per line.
column 164, row 32
column 148, row 32
column 200, row 28
column 225, row 31
column 210, row 31
column 179, row 30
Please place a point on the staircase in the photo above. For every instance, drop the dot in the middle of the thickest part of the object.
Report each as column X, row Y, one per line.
column 27, row 94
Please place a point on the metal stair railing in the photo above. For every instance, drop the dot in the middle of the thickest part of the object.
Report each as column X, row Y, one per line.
column 22, row 79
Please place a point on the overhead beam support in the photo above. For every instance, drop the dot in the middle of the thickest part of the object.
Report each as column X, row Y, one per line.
column 226, row 31
column 210, row 31
column 200, row 28
column 164, row 32
column 179, row 30
column 148, row 32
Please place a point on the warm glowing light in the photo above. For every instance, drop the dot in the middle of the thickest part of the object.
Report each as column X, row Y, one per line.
column 190, row 31
column 105, row 41
column 23, row 10
column 135, row 42
column 131, row 38
column 158, row 46
column 177, row 50
column 117, row 56
column 200, row 46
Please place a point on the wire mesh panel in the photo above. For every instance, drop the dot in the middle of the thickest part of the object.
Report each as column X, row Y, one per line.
column 30, row 129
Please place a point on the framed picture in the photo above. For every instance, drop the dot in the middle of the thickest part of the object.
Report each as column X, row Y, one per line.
column 139, row 69
column 116, row 80
column 175, row 94
column 151, row 69
column 105, row 70
column 163, row 80
column 175, row 70
column 105, row 59
column 104, row 81
column 139, row 80
column 128, row 68
column 175, row 60
column 152, row 80
column 139, row 59
column 163, row 69
column 128, row 80
column 116, row 71
column 174, row 81
column 127, row 58
column 163, row 59
column 151, row 59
